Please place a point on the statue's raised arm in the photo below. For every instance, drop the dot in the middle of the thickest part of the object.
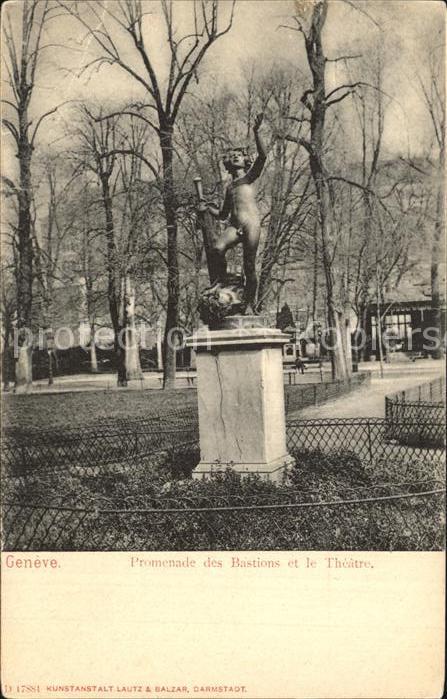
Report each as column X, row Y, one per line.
column 259, row 163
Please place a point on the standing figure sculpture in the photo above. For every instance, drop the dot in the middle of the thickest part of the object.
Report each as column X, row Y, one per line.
column 241, row 211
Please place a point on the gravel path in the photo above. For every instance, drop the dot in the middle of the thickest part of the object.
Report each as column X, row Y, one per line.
column 366, row 402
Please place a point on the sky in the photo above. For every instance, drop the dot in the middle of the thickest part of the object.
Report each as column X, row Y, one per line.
column 408, row 28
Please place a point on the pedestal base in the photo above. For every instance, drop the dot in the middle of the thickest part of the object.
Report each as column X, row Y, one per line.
column 241, row 400
column 275, row 471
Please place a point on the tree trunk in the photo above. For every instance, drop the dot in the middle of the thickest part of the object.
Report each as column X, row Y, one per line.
column 347, row 346
column 6, row 353
column 159, row 347
column 269, row 253
column 169, row 352
column 436, row 262
column 315, row 280
column 50, row 367
column 23, row 369
column 364, row 350
column 336, row 321
column 113, row 282
column 132, row 349
column 379, row 333
column 317, row 63
column 93, row 357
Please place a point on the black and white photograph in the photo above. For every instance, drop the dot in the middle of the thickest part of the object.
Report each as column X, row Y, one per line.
column 223, row 276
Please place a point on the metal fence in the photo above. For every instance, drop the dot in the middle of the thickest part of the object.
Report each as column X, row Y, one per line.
column 92, row 448
column 303, row 395
column 83, row 513
column 373, row 440
column 95, row 450
column 406, row 516
column 123, row 440
column 430, row 391
column 417, row 414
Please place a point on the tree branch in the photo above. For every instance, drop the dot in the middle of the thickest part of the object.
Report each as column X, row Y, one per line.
column 213, row 35
column 11, row 104
column 363, row 12
column 299, row 120
column 40, row 120
column 344, row 58
column 300, row 141
column 374, row 194
column 349, row 86
column 304, row 99
column 339, row 99
column 12, row 129
column 124, row 151
column 129, row 113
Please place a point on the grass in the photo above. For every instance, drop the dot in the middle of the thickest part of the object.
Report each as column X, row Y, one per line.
column 93, row 408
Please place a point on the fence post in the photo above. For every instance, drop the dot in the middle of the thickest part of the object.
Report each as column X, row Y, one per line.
column 431, row 391
column 370, row 443
column 419, row 393
column 315, row 394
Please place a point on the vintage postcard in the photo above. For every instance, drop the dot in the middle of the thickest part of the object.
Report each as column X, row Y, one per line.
column 223, row 349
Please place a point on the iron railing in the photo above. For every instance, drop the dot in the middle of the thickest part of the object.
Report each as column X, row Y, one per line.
column 93, row 475
column 300, row 396
column 429, row 392
column 371, row 439
column 408, row 516
column 422, row 408
column 95, row 450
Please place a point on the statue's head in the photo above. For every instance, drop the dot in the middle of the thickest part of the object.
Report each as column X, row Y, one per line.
column 237, row 158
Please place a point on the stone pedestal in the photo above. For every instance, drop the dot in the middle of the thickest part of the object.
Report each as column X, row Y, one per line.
column 241, row 399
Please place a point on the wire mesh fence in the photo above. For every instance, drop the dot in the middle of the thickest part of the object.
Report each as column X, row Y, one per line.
column 108, row 488
column 301, row 396
column 416, row 416
column 93, row 449
column 371, row 439
column 123, row 440
column 400, row 517
column 427, row 392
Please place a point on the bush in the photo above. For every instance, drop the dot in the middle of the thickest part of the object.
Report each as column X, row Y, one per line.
column 217, row 513
column 340, row 468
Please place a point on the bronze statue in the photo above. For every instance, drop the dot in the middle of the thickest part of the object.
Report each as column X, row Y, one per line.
column 244, row 225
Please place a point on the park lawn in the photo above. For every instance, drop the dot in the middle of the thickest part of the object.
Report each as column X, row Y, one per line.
column 93, row 408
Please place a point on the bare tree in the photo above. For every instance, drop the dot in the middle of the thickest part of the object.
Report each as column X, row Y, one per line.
column 99, row 141
column 316, row 101
column 287, row 190
column 363, row 253
column 52, row 240
column 108, row 24
column 8, row 306
column 91, row 275
column 432, row 86
column 22, row 55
